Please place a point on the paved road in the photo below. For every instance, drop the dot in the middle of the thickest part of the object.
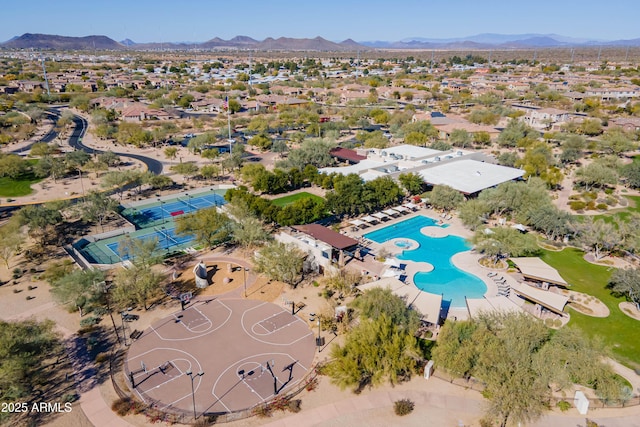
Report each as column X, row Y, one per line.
column 75, row 140
column 54, row 115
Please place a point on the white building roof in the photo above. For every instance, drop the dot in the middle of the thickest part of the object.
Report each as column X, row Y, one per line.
column 409, row 151
column 469, row 176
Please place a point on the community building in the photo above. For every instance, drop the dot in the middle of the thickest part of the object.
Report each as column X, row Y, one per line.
column 466, row 171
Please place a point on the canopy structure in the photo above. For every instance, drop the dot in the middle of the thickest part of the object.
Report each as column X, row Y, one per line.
column 327, row 235
column 536, row 269
column 411, row 206
column 390, row 212
column 393, row 262
column 369, row 219
column 427, row 304
column 499, row 304
column 552, row 301
column 380, row 215
column 400, row 209
column 357, row 222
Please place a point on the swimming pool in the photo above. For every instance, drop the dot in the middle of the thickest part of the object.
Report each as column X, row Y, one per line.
column 446, row 279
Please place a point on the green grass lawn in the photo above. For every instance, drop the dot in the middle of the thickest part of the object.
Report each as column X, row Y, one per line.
column 287, row 200
column 620, row 333
column 17, row 187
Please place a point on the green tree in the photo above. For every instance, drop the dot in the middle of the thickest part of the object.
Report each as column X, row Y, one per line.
column 50, row 166
column 474, row 213
column 11, row 240
column 518, row 360
column 41, row 220
column 78, row 289
column 170, row 152
column 188, row 169
column 12, row 166
column 517, row 134
column 246, row 230
column 412, row 182
column 572, row 149
column 209, row 226
column 505, row 242
column 461, row 138
column 626, row 281
column 597, row 235
column 445, row 197
column 98, row 206
column 280, row 261
column 631, row 173
column 26, row 346
column 595, row 175
column 381, row 348
column 137, row 284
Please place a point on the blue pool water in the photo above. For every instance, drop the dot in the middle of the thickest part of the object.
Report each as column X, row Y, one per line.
column 446, row 279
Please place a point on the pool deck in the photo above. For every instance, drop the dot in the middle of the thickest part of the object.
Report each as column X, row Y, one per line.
column 466, row 261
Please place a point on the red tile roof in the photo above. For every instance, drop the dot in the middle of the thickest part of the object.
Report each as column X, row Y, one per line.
column 346, row 154
column 327, row 235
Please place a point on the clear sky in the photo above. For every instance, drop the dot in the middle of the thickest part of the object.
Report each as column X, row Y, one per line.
column 336, row 20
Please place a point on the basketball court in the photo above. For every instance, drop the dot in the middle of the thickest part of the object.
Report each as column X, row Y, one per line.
column 236, row 353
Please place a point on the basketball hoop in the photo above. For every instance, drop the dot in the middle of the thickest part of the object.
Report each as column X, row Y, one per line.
column 186, row 297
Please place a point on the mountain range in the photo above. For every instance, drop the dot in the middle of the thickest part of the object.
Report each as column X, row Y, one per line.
column 480, row 41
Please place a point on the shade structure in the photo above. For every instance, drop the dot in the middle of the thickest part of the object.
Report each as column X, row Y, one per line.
column 390, row 212
column 369, row 219
column 393, row 262
column 400, row 209
column 380, row 215
column 552, row 301
column 357, row 222
column 427, row 304
column 412, row 206
column 536, row 269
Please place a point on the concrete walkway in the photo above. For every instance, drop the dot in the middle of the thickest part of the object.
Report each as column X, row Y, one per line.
column 437, row 403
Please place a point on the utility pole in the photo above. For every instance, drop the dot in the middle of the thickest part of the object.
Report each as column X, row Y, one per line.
column 46, row 80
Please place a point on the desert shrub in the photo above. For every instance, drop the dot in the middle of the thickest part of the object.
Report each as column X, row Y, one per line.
column 577, row 205
column 611, row 201
column 563, row 405
column 88, row 321
column 262, row 411
column 122, row 406
column 486, row 422
column 295, row 405
column 403, row 407
column 591, row 205
column 102, row 357
column 602, row 206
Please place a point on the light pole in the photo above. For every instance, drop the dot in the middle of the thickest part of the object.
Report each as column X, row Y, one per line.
column 244, row 271
column 319, row 339
column 193, row 393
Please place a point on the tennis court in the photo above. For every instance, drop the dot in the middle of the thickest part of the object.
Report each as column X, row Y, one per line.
column 162, row 211
column 153, row 221
column 166, row 238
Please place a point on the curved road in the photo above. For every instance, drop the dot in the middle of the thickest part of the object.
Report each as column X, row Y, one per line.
column 75, row 140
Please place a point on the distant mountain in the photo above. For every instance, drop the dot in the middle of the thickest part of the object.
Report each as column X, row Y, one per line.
column 47, row 41
column 479, row 41
column 286, row 43
column 491, row 40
